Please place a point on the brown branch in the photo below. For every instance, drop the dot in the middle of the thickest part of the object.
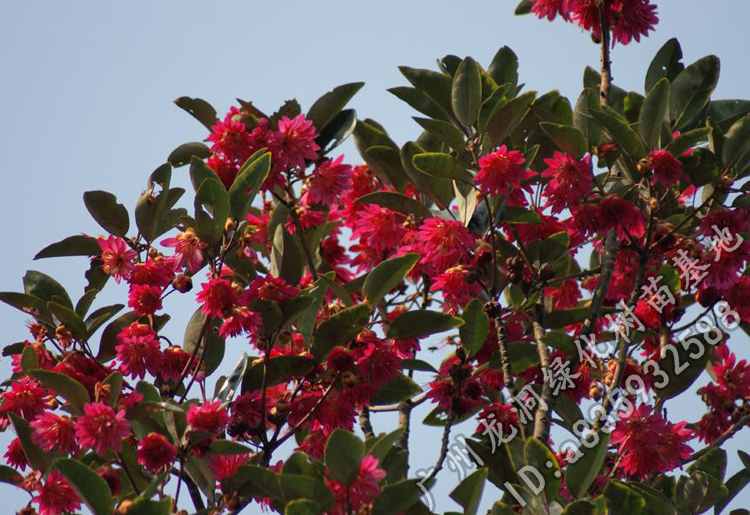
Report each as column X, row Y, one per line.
column 726, row 435
column 365, row 423
column 542, row 418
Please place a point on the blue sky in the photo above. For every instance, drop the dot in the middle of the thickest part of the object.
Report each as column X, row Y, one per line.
column 88, row 89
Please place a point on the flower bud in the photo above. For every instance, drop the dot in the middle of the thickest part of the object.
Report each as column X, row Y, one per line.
column 182, row 283
column 230, row 225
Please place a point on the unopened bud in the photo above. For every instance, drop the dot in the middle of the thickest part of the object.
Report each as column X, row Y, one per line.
column 230, row 225
column 124, row 507
column 182, row 283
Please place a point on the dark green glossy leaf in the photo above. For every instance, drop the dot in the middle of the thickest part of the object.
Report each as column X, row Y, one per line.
column 466, row 96
column 109, row 336
column 692, row 89
column 63, row 385
column 153, row 203
column 442, row 165
column 397, row 497
column 504, row 68
column 386, row 276
column 323, row 111
column 38, row 459
column 91, row 487
column 397, row 202
column 183, row 154
column 444, row 131
column 247, row 183
column 45, row 287
column 619, row 130
column 78, row 245
column 736, row 149
column 508, row 117
column 436, row 86
column 469, row 492
column 475, row 328
column 581, row 474
column 213, row 351
column 339, row 329
column 396, row 390
column 343, row 453
column 212, row 195
column 653, row 114
column 199, row 109
column 420, row 323
column 438, row 188
column 570, row 140
column 666, row 64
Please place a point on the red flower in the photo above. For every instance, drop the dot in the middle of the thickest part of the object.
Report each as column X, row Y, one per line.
column 632, row 19
column 340, row 359
column 15, row 455
column 498, row 416
column 269, row 288
column 218, row 297
column 118, row 259
column 101, row 428
column 156, row 453
column 443, row 243
column 241, row 321
column 138, row 350
column 571, row 181
column 155, row 272
column 362, row 490
column 379, row 227
column 174, row 360
column 617, row 213
column 649, row 443
column 53, row 432
column 56, row 496
column 329, row 181
column 224, row 467
column 501, row 170
column 457, row 287
column 297, row 142
column 377, row 362
column 25, row 399
column 550, row 9
column 230, row 137
column 188, row 250
column 225, row 168
column 144, row 299
column 667, row 168
column 210, row 417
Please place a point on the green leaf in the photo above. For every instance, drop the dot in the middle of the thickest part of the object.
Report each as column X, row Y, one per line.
column 63, row 385
column 682, row 369
column 653, row 113
column 690, row 492
column 735, row 484
column 469, row 492
column 623, row 500
column 438, row 188
column 213, row 351
column 38, row 459
column 296, row 486
column 386, row 276
column 103, row 206
column 280, row 368
column 580, row 474
column 337, row 131
column 109, row 336
column 736, row 150
column 28, row 304
column 339, row 329
column 475, row 328
column 302, row 507
column 420, row 323
column 504, row 68
column 399, row 389
column 152, row 205
column 570, row 140
column 419, row 101
column 386, row 162
column 436, row 86
column 438, row 164
column 725, row 113
column 45, row 287
column 143, row 506
column 666, row 64
column 397, row 498
column 692, row 89
column 78, row 245
column 713, row 463
column 418, row 365
column 687, row 141
column 114, row 381
column 200, row 172
column 538, row 455
column 343, row 453
column 199, row 109
column 247, row 184
column 211, row 194
column 224, row 447
column 588, row 101
column 508, row 117
column 10, row 476
column 619, row 130
column 99, row 317
column 444, row 131
column 29, row 358
column 323, row 111
column 183, row 154
column 69, row 318
column 397, row 202
column 466, row 94
column 286, row 257
column 92, row 488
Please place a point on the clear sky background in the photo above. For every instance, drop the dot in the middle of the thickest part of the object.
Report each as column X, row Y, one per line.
column 87, row 93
